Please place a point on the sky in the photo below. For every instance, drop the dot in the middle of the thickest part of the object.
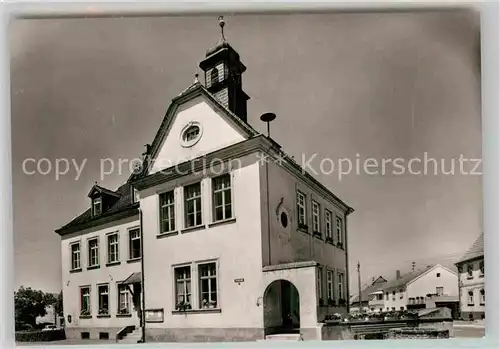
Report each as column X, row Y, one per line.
column 364, row 85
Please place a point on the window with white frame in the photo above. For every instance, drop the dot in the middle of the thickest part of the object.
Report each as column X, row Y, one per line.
column 93, row 252
column 340, row 285
column 167, row 212
column 208, row 285
column 134, row 243
column 192, row 205
column 481, row 268
column 221, row 193
column 113, row 248
column 328, row 225
column 315, row 217
column 339, row 224
column 97, row 206
column 123, row 300
column 301, row 209
column 329, row 284
column 393, row 295
column 85, row 307
column 481, row 301
column 182, row 287
column 75, row 256
column 387, row 296
column 103, row 291
column 439, row 291
column 401, row 293
column 470, row 300
column 319, row 283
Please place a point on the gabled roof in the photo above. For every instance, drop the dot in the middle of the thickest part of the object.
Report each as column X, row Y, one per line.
column 98, row 189
column 121, row 208
column 406, row 278
column 196, row 89
column 475, row 251
column 369, row 289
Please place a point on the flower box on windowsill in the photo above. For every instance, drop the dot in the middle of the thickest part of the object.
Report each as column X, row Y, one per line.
column 222, row 221
column 77, row 270
column 110, row 264
column 103, row 315
column 317, row 234
column 134, row 260
column 91, row 267
column 302, row 227
column 85, row 314
column 329, row 240
column 197, row 311
column 340, row 245
column 124, row 315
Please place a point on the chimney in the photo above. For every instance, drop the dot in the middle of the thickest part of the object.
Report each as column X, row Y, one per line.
column 398, row 274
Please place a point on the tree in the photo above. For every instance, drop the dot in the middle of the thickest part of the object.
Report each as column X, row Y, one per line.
column 30, row 304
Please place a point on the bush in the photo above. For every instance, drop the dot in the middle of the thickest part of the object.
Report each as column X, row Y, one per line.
column 40, row 336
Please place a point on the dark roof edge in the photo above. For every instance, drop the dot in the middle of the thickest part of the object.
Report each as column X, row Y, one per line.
column 125, row 212
column 468, row 260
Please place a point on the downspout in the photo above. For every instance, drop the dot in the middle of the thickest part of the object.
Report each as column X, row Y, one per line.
column 268, row 215
column 347, row 295
column 459, row 293
column 143, row 300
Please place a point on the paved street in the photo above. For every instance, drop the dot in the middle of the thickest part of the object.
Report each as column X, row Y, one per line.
column 66, row 342
column 462, row 330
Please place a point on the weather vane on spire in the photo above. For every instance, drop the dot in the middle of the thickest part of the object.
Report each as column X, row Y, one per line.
column 221, row 25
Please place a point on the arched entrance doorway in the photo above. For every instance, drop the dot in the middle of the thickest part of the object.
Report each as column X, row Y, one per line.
column 281, row 308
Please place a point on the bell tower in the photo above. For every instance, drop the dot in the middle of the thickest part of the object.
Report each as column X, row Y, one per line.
column 223, row 69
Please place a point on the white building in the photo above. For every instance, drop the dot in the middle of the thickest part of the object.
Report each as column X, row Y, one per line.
column 471, row 283
column 418, row 289
column 233, row 247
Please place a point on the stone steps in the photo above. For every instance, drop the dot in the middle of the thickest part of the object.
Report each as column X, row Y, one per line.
column 284, row 337
column 132, row 338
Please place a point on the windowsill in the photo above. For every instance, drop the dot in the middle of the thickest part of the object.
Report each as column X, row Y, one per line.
column 329, row 241
column 103, row 316
column 470, row 277
column 481, row 276
column 318, row 235
column 190, row 229
column 93, row 267
column 222, row 222
column 75, row 270
column 110, row 264
column 134, row 260
column 303, row 228
column 196, row 311
column 482, row 304
column 123, row 315
column 85, row 316
column 340, row 246
column 167, row 234
column 470, row 305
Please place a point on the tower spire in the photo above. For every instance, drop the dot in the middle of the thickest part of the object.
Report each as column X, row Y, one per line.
column 222, row 23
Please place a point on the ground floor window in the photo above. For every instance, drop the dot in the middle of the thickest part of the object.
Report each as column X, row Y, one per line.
column 208, row 285
column 123, row 300
column 85, row 301
column 183, row 287
column 103, row 299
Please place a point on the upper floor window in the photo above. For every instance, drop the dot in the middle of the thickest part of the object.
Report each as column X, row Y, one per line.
column 182, row 286
column 340, row 240
column 319, row 283
column 167, row 212
column 97, row 206
column 481, row 268
column 301, row 209
column 75, row 256
column 471, row 298
column 387, row 296
column 85, row 307
column 482, row 297
column 208, row 285
column 134, row 243
column 393, row 295
column 192, row 205
column 113, row 250
column 469, row 270
column 329, row 284
column 222, row 206
column 401, row 293
column 328, row 225
column 191, row 133
column 315, row 216
column 103, row 291
column 93, row 252
column 439, row 291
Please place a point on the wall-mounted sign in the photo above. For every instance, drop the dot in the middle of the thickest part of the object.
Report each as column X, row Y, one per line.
column 239, row 281
column 154, row 315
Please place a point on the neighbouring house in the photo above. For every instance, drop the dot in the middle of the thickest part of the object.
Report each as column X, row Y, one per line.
column 471, row 281
column 51, row 317
column 429, row 287
column 227, row 246
column 371, row 301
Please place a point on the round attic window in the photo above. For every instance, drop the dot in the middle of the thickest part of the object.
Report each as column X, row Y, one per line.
column 191, row 134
